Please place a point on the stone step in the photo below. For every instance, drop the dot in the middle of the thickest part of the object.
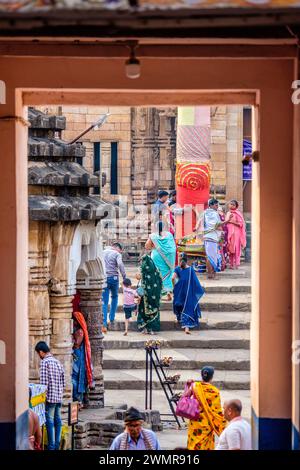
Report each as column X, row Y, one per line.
column 232, row 274
column 208, row 321
column 188, row 359
column 214, row 302
column 131, row 398
column 219, row 287
column 209, row 339
column 134, row 379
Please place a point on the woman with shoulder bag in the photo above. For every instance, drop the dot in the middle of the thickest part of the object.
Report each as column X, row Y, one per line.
column 211, row 421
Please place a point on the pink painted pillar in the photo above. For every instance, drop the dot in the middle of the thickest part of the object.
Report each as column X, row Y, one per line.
column 13, row 276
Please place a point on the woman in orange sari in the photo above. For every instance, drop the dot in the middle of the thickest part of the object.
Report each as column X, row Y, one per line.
column 201, row 432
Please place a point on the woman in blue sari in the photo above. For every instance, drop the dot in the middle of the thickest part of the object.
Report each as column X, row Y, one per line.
column 163, row 254
column 187, row 294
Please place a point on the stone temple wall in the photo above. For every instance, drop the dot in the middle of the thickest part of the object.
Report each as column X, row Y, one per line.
column 146, row 140
column 65, row 248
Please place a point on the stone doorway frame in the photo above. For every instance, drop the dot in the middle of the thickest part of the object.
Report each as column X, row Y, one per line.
column 260, row 76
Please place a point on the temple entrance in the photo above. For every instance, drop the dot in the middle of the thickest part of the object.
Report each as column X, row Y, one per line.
column 224, row 90
column 113, row 174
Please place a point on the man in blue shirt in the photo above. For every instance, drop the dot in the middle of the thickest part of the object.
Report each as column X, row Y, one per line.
column 112, row 256
column 161, row 205
column 135, row 437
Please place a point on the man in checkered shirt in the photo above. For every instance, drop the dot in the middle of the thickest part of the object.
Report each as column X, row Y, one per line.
column 52, row 374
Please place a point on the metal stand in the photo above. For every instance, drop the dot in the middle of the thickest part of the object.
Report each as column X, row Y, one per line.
column 152, row 361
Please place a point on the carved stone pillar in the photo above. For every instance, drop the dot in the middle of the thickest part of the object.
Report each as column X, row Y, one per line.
column 91, row 307
column 38, row 296
column 61, row 339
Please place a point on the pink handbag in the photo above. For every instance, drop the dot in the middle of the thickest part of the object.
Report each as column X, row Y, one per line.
column 188, row 406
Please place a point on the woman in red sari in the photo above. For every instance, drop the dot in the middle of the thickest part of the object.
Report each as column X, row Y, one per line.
column 236, row 234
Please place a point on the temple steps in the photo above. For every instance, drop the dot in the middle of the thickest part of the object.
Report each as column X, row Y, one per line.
column 222, row 341
column 135, row 379
column 208, row 339
column 188, row 359
column 209, row 321
column 215, row 302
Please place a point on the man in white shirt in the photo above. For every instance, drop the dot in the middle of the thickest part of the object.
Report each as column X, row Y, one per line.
column 237, row 434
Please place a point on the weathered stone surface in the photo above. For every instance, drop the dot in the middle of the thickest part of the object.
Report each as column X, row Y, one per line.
column 41, row 147
column 61, row 337
column 90, row 304
column 60, row 174
column 62, row 251
column 40, row 120
column 52, row 208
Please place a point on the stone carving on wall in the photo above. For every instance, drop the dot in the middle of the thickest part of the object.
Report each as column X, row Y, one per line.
column 64, row 247
column 153, row 136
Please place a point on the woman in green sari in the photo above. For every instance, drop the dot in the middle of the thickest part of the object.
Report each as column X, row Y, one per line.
column 148, row 319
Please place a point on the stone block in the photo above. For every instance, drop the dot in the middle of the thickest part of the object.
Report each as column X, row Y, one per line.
column 125, row 163
column 79, row 118
column 125, row 171
column 233, row 132
column 79, row 127
column 38, row 304
column 119, row 110
column 119, row 118
column 220, row 110
column 218, row 125
column 112, row 427
column 232, row 146
column 232, row 118
column 219, row 181
column 217, row 166
column 97, row 110
column 218, row 133
column 217, row 147
column 217, row 156
column 125, row 145
column 125, row 126
column 234, row 109
column 218, row 139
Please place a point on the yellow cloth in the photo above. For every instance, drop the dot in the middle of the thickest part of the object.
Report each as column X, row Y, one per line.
column 64, row 438
column 201, row 432
column 38, row 399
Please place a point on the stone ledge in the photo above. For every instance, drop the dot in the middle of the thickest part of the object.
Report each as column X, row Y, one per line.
column 100, row 428
column 40, row 120
column 43, row 147
column 52, row 208
column 60, row 174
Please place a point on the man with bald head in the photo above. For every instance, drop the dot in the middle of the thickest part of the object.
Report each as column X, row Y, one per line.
column 237, row 434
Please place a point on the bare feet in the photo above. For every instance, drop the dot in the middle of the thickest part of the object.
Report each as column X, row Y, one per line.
column 125, row 333
column 104, row 329
column 187, row 331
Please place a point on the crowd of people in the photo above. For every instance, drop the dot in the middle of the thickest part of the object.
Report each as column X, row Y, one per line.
column 157, row 279
column 215, row 428
column 224, row 237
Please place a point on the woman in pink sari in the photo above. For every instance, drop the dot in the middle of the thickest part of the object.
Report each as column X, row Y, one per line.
column 236, row 234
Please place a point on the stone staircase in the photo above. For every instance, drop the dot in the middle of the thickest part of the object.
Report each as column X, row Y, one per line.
column 222, row 341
